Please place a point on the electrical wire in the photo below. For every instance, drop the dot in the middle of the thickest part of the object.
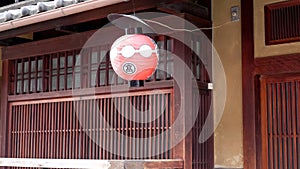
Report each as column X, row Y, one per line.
column 180, row 29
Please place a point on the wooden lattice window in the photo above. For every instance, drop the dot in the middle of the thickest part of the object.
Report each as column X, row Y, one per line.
column 282, row 22
column 201, row 59
column 71, row 128
column 77, row 69
column 201, row 154
column 28, row 75
column 280, row 120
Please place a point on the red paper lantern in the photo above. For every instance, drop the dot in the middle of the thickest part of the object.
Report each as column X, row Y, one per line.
column 134, row 57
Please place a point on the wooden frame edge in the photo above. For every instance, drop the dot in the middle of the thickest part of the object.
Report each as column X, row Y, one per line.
column 249, row 141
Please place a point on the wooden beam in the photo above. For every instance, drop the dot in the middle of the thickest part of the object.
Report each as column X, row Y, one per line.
column 248, row 89
column 278, row 64
column 93, row 164
column 83, row 17
column 64, row 43
column 47, row 46
column 184, row 7
column 106, row 90
column 4, row 110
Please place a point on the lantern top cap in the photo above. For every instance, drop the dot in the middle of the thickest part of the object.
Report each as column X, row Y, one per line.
column 126, row 22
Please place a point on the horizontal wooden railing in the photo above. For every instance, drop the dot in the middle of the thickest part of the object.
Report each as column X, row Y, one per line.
column 91, row 164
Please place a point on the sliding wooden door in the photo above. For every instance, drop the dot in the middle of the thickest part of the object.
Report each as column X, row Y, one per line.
column 280, row 122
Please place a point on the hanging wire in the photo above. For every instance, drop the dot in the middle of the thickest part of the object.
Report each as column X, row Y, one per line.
column 180, row 29
column 133, row 7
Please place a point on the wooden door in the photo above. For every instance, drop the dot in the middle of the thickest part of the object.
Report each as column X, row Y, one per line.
column 280, row 122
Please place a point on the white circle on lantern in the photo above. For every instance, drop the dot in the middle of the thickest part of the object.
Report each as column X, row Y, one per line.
column 127, row 51
column 113, row 53
column 146, row 51
column 129, row 68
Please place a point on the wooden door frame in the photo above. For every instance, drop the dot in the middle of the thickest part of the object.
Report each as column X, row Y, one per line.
column 265, row 110
column 252, row 69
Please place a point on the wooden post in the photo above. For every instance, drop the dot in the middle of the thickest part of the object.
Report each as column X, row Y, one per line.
column 183, row 100
column 4, row 113
column 249, row 142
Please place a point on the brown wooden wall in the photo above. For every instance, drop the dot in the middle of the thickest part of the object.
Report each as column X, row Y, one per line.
column 42, row 109
column 259, row 132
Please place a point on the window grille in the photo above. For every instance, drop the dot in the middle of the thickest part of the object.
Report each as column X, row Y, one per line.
column 72, row 129
column 78, row 69
column 282, row 22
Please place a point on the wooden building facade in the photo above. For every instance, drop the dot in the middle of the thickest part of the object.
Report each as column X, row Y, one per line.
column 54, row 90
column 271, row 86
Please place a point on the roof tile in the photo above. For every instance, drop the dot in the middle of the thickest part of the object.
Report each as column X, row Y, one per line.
column 34, row 9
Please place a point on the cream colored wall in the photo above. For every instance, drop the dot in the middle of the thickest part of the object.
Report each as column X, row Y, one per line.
column 227, row 42
column 261, row 50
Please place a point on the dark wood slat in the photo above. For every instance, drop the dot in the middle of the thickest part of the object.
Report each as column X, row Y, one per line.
column 248, row 88
column 281, row 108
column 281, row 20
column 294, row 123
column 120, row 122
column 41, row 146
column 54, row 142
column 285, row 122
column 77, row 127
column 64, row 129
